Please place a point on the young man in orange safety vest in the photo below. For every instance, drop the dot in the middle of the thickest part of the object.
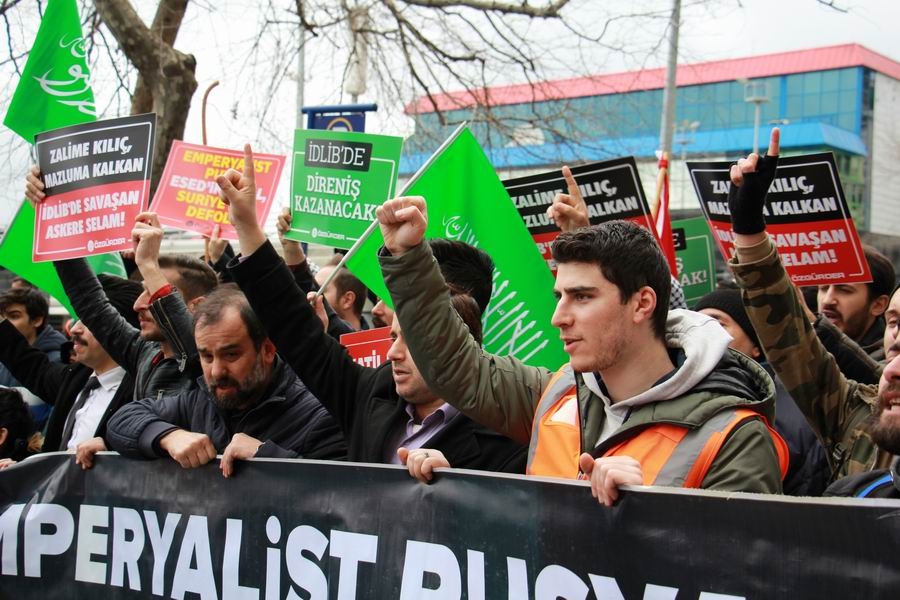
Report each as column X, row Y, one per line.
column 650, row 396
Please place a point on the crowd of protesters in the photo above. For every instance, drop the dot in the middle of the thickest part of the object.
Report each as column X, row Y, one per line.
column 237, row 355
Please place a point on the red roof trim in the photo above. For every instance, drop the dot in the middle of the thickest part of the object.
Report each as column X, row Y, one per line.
column 783, row 63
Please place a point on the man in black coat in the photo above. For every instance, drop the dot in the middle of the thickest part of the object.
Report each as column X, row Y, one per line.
column 247, row 404
column 81, row 410
column 380, row 409
column 808, row 472
column 158, row 352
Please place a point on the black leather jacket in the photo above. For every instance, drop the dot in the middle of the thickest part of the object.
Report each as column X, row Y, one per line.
column 154, row 375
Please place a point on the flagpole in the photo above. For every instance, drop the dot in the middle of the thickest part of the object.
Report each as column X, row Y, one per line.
column 374, row 224
column 661, row 174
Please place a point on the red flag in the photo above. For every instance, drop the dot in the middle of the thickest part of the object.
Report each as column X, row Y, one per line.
column 662, row 220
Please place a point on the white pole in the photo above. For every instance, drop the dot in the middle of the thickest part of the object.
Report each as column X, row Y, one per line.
column 301, row 71
column 756, row 114
column 668, row 113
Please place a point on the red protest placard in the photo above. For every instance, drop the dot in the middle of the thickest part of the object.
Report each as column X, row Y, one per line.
column 188, row 195
column 97, row 178
column 369, row 347
column 806, row 216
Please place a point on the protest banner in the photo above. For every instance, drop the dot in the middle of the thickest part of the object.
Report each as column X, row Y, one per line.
column 467, row 202
column 806, row 216
column 188, row 195
column 97, row 179
column 611, row 189
column 369, row 347
column 338, row 179
column 290, row 529
column 694, row 253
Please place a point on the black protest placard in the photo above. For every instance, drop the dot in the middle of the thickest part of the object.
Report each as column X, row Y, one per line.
column 611, row 189
column 97, row 180
column 277, row 529
column 806, row 215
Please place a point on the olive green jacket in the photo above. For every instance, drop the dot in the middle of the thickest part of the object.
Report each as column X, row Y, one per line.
column 837, row 408
column 502, row 393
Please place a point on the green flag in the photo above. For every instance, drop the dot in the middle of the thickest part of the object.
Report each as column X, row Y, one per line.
column 15, row 255
column 54, row 91
column 467, row 202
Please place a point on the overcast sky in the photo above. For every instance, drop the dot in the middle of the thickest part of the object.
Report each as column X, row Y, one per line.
column 221, row 39
column 763, row 26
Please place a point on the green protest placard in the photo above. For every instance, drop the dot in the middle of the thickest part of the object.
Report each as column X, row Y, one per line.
column 338, row 179
column 694, row 253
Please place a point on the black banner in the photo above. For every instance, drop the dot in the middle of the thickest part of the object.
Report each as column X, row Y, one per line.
column 304, row 529
column 806, row 188
column 806, row 215
column 96, row 153
column 611, row 189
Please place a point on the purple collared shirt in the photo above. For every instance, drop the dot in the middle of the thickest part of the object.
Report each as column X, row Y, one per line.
column 415, row 435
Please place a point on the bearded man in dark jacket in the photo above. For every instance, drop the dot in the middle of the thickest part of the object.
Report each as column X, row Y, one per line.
column 248, row 403
column 388, row 414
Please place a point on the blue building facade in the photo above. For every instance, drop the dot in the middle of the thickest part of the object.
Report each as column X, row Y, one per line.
column 823, row 99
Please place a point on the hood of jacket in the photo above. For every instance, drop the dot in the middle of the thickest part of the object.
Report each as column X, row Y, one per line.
column 703, row 342
column 711, row 378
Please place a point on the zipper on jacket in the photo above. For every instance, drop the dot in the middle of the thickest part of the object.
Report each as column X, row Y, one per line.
column 182, row 360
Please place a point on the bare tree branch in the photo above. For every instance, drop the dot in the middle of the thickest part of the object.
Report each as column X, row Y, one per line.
column 447, row 55
column 830, row 4
column 6, row 5
column 517, row 8
column 167, row 73
column 166, row 23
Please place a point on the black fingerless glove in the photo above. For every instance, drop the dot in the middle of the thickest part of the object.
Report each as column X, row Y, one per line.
column 746, row 201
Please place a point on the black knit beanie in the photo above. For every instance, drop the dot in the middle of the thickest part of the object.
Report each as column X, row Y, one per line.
column 730, row 303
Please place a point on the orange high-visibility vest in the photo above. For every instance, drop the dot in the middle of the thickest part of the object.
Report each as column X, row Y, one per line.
column 670, row 455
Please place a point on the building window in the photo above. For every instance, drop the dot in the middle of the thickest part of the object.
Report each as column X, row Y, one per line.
column 527, row 135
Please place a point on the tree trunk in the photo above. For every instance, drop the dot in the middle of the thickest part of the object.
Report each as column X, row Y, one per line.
column 166, row 81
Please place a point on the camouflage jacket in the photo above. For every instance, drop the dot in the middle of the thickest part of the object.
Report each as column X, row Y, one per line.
column 837, row 408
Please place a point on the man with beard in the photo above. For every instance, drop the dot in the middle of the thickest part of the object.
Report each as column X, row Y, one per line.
column 857, row 309
column 384, row 409
column 883, row 427
column 345, row 293
column 858, row 424
column 382, row 314
column 247, row 404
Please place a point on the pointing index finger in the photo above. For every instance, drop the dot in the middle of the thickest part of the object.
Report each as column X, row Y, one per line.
column 774, row 142
column 249, row 170
column 571, row 185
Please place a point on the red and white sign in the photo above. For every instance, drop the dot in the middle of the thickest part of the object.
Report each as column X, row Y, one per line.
column 369, row 347
column 806, row 216
column 97, row 179
column 188, row 195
